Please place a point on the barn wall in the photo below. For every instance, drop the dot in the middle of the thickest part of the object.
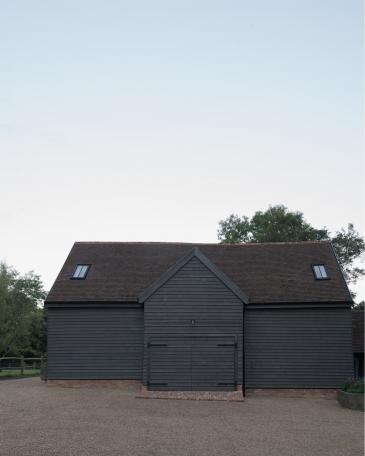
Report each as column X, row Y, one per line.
column 95, row 343
column 193, row 293
column 298, row 348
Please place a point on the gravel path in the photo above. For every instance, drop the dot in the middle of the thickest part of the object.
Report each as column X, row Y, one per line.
column 39, row 420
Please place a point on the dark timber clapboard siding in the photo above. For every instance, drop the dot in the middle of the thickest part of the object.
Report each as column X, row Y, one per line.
column 186, row 363
column 298, row 348
column 95, row 343
column 199, row 356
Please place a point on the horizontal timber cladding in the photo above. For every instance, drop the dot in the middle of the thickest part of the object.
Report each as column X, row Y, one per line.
column 298, row 348
column 95, row 342
column 193, row 333
column 205, row 363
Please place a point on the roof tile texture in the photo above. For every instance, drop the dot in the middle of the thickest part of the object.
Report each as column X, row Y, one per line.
column 268, row 273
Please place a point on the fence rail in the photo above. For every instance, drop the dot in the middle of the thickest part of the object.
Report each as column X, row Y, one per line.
column 22, row 364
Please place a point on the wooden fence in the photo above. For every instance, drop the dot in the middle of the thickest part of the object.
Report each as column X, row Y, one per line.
column 22, row 364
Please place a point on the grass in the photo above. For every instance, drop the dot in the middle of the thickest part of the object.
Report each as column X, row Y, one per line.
column 11, row 373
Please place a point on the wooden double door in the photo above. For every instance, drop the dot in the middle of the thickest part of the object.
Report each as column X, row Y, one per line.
column 192, row 363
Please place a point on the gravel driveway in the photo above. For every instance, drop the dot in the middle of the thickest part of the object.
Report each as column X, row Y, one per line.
column 39, row 420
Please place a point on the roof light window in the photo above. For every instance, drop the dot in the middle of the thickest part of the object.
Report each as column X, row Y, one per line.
column 320, row 272
column 81, row 271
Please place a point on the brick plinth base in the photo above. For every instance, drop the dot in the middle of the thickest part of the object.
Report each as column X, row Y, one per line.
column 143, row 392
column 300, row 392
column 192, row 395
column 133, row 385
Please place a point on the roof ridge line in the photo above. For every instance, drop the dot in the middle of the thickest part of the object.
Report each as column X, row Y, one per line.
column 247, row 244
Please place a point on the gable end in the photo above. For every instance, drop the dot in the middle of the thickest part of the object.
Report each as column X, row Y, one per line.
column 194, row 253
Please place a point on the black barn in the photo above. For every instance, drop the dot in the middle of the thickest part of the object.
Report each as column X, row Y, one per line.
column 201, row 317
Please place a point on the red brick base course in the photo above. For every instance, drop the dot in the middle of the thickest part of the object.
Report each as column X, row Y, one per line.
column 300, row 392
column 116, row 384
column 143, row 392
column 235, row 396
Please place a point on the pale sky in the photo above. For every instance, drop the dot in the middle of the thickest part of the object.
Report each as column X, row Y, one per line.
column 151, row 121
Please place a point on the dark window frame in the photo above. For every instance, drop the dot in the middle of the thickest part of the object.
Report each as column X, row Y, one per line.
column 325, row 268
column 86, row 273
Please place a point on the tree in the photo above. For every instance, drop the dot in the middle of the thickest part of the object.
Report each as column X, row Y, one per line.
column 349, row 246
column 21, row 318
column 278, row 224
column 359, row 306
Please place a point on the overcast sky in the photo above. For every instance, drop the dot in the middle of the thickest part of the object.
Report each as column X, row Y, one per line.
column 151, row 121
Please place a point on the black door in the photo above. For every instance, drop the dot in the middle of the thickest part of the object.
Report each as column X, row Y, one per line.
column 192, row 363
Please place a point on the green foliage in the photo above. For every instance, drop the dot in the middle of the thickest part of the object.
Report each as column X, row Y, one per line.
column 354, row 386
column 359, row 306
column 22, row 325
column 235, row 230
column 37, row 333
column 278, row 224
column 349, row 246
column 15, row 373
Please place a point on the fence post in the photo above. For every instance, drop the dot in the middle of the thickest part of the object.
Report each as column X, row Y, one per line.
column 42, row 368
column 22, row 365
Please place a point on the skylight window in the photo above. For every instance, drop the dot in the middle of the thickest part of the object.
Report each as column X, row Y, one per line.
column 81, row 271
column 320, row 272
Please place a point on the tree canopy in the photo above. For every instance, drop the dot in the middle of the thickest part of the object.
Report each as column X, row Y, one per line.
column 278, row 224
column 22, row 323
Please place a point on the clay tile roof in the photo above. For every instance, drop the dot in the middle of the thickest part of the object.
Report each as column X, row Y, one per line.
column 267, row 273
